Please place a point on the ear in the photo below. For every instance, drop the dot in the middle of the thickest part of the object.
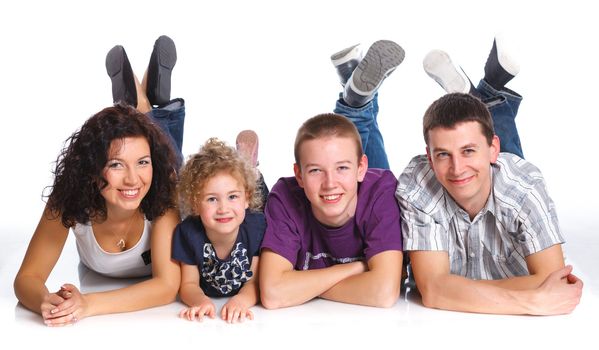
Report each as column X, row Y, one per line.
column 428, row 156
column 298, row 174
column 494, row 149
column 362, row 167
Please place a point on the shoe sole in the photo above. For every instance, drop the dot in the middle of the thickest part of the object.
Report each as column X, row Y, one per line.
column 506, row 61
column 439, row 66
column 121, row 75
column 381, row 60
column 162, row 61
column 351, row 53
column 246, row 144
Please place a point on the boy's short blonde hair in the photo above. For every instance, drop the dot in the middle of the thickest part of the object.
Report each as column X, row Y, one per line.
column 212, row 158
column 327, row 125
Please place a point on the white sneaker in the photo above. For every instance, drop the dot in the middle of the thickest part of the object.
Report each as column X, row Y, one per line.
column 438, row 66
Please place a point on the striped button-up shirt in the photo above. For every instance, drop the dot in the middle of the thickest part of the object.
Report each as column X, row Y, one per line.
column 519, row 219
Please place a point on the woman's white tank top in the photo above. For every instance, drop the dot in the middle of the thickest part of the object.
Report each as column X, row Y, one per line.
column 133, row 262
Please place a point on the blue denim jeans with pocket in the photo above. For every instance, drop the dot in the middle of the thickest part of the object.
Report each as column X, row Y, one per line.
column 365, row 120
column 171, row 119
column 503, row 105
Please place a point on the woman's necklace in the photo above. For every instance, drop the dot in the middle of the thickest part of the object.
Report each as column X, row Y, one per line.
column 122, row 241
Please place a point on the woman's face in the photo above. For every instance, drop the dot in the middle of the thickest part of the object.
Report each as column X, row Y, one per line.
column 128, row 172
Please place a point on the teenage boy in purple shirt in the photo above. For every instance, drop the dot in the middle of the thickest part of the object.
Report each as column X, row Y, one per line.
column 333, row 230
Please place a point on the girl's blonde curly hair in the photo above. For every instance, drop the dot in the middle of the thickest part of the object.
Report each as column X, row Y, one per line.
column 212, row 158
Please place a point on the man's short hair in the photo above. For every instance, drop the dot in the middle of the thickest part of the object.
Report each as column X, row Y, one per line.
column 456, row 108
column 327, row 125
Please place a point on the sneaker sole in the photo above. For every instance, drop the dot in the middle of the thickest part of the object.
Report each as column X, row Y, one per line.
column 381, row 59
column 162, row 62
column 121, row 75
column 439, row 66
column 345, row 55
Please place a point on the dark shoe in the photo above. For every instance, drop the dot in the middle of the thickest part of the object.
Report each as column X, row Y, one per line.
column 346, row 61
column 380, row 61
column 439, row 66
column 162, row 61
column 499, row 68
column 120, row 73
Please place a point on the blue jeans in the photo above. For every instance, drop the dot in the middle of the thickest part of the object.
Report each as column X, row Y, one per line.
column 171, row 119
column 503, row 105
column 364, row 118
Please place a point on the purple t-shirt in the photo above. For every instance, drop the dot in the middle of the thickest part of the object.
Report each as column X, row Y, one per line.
column 294, row 233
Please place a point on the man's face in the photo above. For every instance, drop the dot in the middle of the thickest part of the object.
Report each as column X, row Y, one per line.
column 329, row 172
column 461, row 158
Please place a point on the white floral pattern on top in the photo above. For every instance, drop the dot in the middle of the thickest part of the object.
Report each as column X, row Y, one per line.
column 226, row 276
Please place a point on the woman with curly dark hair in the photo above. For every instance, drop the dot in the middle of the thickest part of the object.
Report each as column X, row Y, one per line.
column 114, row 187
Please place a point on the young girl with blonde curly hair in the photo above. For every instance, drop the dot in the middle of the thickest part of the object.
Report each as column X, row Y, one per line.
column 219, row 242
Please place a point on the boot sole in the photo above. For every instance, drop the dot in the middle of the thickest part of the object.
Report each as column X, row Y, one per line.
column 121, row 75
column 162, row 61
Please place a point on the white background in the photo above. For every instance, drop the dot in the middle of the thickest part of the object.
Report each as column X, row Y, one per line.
column 265, row 65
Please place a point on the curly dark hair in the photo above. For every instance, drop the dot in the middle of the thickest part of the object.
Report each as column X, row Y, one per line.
column 76, row 197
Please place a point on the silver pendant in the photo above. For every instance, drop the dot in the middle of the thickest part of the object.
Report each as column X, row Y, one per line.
column 121, row 244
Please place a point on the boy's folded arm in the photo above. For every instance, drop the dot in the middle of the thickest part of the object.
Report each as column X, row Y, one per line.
column 282, row 286
column 378, row 286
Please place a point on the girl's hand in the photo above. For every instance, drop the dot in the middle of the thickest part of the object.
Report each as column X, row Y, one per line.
column 234, row 311
column 206, row 308
column 65, row 307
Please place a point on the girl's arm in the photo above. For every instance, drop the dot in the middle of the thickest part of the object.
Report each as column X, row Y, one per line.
column 192, row 295
column 237, row 308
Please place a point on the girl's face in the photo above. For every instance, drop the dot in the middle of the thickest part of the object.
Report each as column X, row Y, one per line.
column 128, row 172
column 222, row 205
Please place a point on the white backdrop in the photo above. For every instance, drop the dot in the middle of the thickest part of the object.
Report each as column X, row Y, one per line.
column 265, row 65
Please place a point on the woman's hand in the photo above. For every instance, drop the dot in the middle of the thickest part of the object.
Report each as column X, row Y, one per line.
column 65, row 307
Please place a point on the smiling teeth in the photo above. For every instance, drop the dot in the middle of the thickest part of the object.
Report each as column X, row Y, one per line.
column 331, row 197
column 130, row 192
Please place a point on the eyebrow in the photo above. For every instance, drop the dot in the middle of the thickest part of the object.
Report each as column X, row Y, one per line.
column 121, row 159
column 469, row 145
column 336, row 163
column 214, row 194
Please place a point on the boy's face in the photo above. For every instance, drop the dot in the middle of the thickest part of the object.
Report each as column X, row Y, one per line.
column 221, row 206
column 329, row 174
column 461, row 159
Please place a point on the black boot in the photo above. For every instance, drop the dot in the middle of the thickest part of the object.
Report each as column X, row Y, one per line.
column 162, row 61
column 120, row 73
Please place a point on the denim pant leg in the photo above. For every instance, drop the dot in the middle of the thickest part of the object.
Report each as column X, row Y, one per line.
column 365, row 120
column 171, row 118
column 503, row 105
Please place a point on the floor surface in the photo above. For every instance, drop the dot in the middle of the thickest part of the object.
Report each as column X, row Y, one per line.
column 318, row 323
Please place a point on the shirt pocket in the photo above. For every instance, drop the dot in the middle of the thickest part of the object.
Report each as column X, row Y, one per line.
column 505, row 263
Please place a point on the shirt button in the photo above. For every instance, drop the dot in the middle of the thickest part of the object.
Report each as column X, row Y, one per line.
column 472, row 255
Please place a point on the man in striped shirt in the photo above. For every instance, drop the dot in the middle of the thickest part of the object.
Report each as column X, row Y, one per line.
column 481, row 231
